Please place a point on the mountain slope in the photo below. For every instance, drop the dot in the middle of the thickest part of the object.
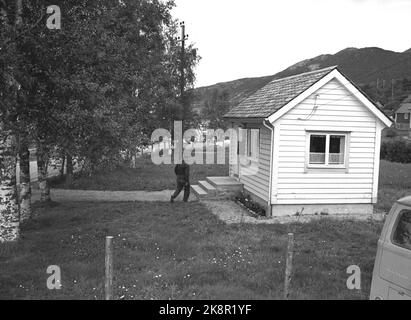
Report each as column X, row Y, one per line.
column 363, row 66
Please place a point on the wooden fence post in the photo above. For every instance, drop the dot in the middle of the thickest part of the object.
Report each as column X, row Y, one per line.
column 289, row 266
column 109, row 268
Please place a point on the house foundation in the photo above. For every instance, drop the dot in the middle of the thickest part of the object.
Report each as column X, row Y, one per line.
column 321, row 209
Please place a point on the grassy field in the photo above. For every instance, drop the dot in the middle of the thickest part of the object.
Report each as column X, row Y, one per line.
column 146, row 176
column 395, row 179
column 181, row 251
column 395, row 183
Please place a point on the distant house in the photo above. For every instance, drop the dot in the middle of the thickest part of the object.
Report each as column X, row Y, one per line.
column 315, row 139
column 403, row 115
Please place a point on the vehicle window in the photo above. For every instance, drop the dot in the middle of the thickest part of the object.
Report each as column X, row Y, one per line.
column 402, row 233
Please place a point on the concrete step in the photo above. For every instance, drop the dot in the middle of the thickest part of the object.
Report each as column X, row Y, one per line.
column 225, row 184
column 211, row 190
column 199, row 192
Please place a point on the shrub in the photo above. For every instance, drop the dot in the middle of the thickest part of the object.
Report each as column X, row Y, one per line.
column 396, row 151
column 246, row 201
column 391, row 133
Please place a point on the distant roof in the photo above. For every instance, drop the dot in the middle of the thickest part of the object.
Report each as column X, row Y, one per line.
column 276, row 95
column 405, row 108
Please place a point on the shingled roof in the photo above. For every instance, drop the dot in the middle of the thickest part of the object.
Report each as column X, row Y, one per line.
column 276, row 94
column 405, row 106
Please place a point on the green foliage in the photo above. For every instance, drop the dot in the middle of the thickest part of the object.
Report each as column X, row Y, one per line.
column 396, row 151
column 383, row 93
column 214, row 109
column 98, row 87
column 391, row 133
column 248, row 202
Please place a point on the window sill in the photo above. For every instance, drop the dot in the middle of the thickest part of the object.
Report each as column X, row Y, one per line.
column 320, row 170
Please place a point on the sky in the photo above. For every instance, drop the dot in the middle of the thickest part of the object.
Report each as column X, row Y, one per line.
column 252, row 38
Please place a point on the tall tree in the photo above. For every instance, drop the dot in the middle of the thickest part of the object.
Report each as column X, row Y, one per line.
column 214, row 109
column 9, row 87
column 25, row 187
column 96, row 88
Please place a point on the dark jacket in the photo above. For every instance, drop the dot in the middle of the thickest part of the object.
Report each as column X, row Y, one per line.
column 182, row 172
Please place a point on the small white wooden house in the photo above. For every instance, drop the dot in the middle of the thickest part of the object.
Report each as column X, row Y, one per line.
column 315, row 138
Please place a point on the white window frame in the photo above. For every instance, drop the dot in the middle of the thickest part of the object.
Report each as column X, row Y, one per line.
column 327, row 165
column 406, row 116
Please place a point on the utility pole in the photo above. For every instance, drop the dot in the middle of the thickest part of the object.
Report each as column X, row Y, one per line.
column 183, row 39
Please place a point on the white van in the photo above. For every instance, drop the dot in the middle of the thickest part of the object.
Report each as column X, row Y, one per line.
column 392, row 270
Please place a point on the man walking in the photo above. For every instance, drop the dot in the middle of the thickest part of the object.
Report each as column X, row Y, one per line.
column 182, row 172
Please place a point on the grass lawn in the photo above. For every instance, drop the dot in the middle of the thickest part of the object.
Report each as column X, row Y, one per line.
column 181, row 251
column 395, row 183
column 146, row 176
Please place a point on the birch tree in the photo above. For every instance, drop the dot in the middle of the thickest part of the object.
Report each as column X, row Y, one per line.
column 9, row 208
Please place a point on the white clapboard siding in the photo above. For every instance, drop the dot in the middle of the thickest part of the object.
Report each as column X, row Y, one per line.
column 340, row 110
column 258, row 184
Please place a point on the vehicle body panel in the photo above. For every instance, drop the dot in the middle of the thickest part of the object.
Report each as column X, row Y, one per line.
column 392, row 270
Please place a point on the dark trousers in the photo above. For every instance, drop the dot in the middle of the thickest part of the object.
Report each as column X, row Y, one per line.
column 180, row 186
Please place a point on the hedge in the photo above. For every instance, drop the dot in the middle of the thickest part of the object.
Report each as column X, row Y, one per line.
column 396, row 151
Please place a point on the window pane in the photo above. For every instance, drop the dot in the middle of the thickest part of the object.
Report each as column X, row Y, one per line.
column 402, row 235
column 317, row 149
column 337, row 150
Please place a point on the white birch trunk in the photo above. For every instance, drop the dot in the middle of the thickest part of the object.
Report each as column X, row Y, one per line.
column 9, row 208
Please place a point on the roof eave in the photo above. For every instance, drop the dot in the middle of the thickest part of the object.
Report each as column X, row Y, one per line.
column 243, row 118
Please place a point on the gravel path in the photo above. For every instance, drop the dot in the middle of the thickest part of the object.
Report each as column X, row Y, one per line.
column 229, row 212
column 232, row 213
